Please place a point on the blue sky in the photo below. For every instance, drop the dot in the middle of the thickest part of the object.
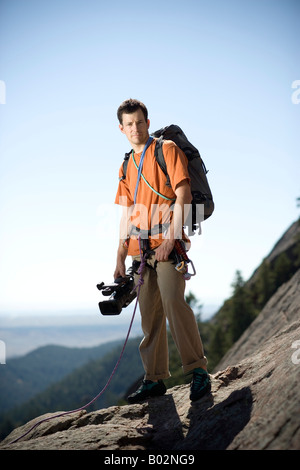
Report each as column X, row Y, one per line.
column 222, row 70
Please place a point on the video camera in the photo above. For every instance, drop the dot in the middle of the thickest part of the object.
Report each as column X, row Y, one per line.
column 121, row 292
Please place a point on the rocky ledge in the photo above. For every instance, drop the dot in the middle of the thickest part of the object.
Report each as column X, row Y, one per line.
column 254, row 403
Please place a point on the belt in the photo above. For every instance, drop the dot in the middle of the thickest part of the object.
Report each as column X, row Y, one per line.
column 155, row 230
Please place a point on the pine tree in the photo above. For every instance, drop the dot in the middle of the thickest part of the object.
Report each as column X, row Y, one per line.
column 265, row 285
column 296, row 251
column 283, row 269
column 195, row 305
column 242, row 310
column 217, row 345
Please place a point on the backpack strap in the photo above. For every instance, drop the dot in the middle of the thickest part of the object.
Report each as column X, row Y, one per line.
column 159, row 155
column 125, row 163
column 149, row 185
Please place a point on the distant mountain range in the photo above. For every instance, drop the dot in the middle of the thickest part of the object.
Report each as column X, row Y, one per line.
column 24, row 334
column 56, row 377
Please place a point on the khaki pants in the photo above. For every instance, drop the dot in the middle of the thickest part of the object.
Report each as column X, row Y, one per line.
column 162, row 297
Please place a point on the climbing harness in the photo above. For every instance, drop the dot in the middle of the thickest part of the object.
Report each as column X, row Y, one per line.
column 137, row 287
column 179, row 253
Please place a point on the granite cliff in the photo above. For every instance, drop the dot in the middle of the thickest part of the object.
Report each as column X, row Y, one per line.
column 254, row 403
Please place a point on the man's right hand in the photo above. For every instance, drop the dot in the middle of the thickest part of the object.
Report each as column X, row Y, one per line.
column 120, row 270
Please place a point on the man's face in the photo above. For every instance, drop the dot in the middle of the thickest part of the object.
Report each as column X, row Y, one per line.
column 135, row 128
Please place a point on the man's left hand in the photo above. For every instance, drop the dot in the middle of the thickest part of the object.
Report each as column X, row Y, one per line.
column 162, row 251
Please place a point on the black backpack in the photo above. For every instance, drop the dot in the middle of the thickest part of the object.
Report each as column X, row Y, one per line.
column 202, row 203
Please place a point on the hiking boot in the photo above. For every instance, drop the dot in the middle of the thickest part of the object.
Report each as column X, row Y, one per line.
column 200, row 384
column 146, row 390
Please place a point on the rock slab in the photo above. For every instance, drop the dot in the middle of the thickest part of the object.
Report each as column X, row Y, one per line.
column 254, row 403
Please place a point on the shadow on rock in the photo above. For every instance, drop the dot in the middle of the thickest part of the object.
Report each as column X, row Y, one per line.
column 215, row 428
column 206, row 426
column 165, row 422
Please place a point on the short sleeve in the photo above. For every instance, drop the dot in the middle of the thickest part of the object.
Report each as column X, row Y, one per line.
column 177, row 164
column 123, row 196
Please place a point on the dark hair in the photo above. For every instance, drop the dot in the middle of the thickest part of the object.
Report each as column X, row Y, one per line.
column 129, row 107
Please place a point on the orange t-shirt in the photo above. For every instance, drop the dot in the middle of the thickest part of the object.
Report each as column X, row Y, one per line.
column 151, row 209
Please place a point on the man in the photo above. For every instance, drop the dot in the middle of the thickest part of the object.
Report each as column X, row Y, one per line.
column 148, row 204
